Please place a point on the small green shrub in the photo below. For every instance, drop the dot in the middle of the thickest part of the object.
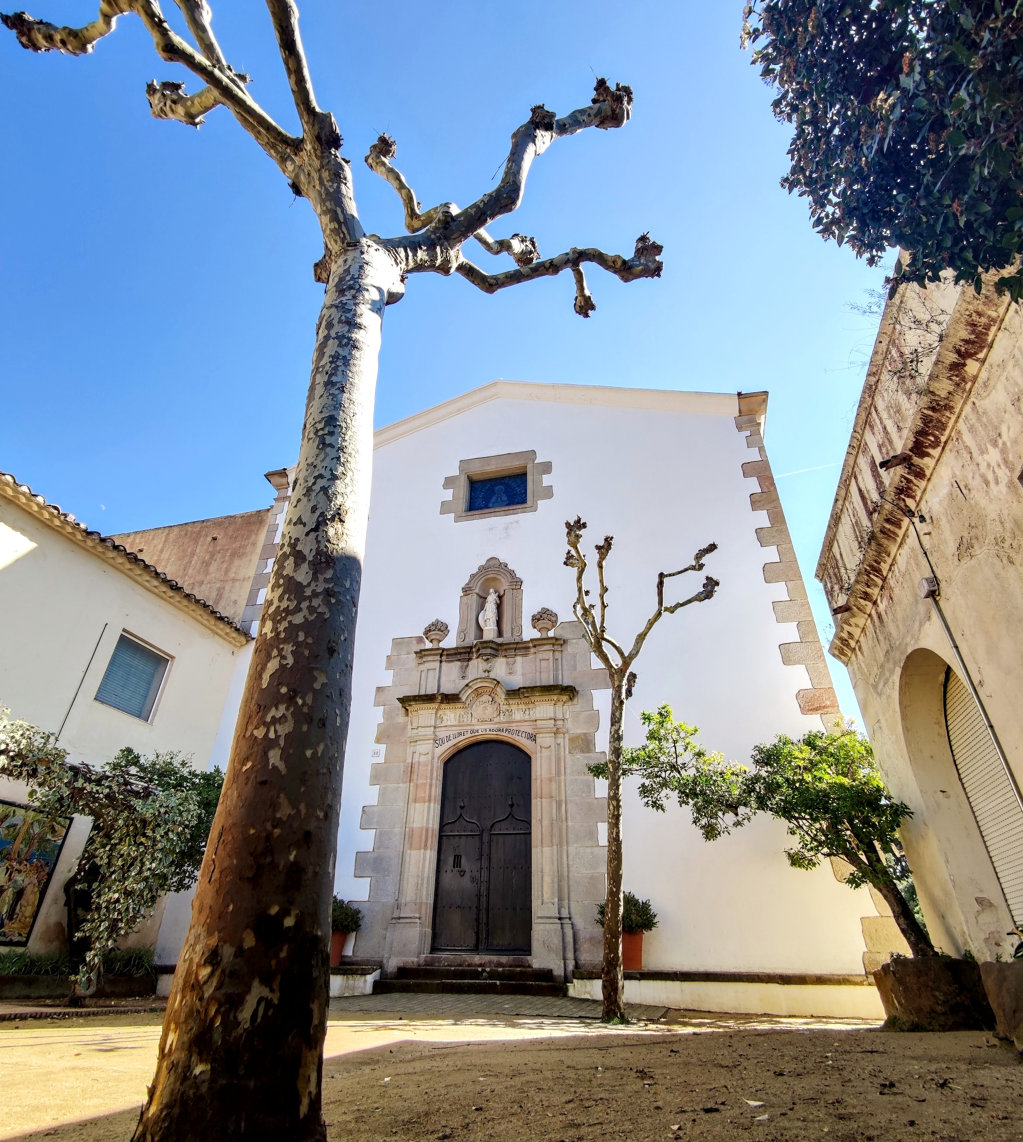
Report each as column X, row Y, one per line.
column 129, row 961
column 29, row 963
column 637, row 915
column 344, row 917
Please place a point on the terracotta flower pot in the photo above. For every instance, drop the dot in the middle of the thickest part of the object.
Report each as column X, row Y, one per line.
column 337, row 947
column 632, row 951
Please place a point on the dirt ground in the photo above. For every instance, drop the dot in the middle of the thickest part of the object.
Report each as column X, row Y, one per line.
column 559, row 1081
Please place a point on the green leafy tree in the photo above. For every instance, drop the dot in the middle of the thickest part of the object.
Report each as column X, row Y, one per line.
column 907, row 121
column 824, row 786
column 151, row 818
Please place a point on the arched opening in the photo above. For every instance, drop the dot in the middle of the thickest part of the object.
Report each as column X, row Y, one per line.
column 483, row 899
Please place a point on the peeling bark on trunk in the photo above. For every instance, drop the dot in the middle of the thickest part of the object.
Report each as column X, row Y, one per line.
column 234, row 1059
column 612, row 977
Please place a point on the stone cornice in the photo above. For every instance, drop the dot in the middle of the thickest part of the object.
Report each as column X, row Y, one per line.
column 713, row 404
column 968, row 338
column 122, row 560
column 491, row 648
column 555, row 692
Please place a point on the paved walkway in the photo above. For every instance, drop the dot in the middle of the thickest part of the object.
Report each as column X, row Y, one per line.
column 429, row 1006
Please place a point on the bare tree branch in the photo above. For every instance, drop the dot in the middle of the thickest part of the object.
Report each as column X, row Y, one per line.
column 315, row 122
column 167, row 100
column 710, row 585
column 610, row 107
column 522, row 248
column 40, row 36
column 603, row 551
column 227, row 88
column 199, row 19
column 584, row 304
column 643, row 264
column 597, row 636
column 379, row 161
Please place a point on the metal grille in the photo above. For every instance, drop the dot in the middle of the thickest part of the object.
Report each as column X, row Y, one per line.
column 988, row 790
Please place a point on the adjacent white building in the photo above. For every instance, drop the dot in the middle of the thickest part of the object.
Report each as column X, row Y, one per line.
column 103, row 650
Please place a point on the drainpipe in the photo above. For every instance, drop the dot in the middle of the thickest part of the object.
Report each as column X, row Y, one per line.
column 81, row 681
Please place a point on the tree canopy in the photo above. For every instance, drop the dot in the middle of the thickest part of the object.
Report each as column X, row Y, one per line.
column 150, row 822
column 824, row 786
column 907, row 121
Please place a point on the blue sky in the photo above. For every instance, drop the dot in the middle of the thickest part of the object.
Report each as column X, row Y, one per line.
column 157, row 299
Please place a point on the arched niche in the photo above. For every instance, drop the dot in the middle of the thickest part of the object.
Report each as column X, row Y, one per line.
column 943, row 842
column 497, row 576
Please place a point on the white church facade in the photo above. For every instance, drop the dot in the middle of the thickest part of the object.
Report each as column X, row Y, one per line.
column 471, row 825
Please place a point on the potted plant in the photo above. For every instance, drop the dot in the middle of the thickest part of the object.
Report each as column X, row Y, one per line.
column 344, row 919
column 637, row 917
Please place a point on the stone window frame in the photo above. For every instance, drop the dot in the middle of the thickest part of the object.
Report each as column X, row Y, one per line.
column 490, row 467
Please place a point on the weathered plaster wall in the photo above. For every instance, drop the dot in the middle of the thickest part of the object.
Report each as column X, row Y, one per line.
column 213, row 558
column 963, row 478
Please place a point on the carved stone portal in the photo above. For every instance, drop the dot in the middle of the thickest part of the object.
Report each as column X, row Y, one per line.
column 536, row 695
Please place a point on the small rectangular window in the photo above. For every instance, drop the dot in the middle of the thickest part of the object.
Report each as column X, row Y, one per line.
column 133, row 678
column 497, row 492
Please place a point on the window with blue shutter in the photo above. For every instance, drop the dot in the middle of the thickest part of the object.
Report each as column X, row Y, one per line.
column 132, row 679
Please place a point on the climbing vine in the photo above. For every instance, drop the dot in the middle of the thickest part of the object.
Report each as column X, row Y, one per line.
column 150, row 820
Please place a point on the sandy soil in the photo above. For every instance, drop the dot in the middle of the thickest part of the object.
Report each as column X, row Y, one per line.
column 561, row 1081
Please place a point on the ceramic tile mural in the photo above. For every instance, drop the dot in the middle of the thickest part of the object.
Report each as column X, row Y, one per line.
column 30, row 844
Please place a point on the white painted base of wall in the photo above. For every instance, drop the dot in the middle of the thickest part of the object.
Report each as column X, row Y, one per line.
column 341, row 985
column 837, row 1001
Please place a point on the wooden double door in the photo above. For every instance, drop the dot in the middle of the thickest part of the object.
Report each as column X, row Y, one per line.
column 483, row 900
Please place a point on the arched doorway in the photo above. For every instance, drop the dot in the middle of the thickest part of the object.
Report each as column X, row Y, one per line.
column 483, row 900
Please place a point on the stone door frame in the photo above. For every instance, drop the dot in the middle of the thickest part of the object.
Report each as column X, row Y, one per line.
column 537, row 694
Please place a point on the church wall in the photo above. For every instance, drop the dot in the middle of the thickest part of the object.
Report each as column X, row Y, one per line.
column 663, row 473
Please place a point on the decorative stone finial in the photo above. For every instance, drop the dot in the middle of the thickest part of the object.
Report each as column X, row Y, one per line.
column 436, row 632
column 544, row 621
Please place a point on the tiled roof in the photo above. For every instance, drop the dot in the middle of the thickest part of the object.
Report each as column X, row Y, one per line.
column 134, row 564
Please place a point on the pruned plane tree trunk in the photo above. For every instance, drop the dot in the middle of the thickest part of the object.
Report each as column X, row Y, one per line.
column 618, row 663
column 241, row 1050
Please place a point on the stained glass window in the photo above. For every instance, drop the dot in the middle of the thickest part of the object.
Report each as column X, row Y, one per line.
column 497, row 492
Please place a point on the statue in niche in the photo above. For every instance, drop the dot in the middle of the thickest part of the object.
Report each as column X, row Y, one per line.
column 488, row 616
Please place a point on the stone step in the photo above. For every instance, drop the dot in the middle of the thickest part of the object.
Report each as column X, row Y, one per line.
column 467, row 987
column 461, row 960
column 521, row 974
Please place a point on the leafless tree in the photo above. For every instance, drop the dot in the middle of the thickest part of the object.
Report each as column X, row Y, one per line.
column 618, row 663
column 241, row 1050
